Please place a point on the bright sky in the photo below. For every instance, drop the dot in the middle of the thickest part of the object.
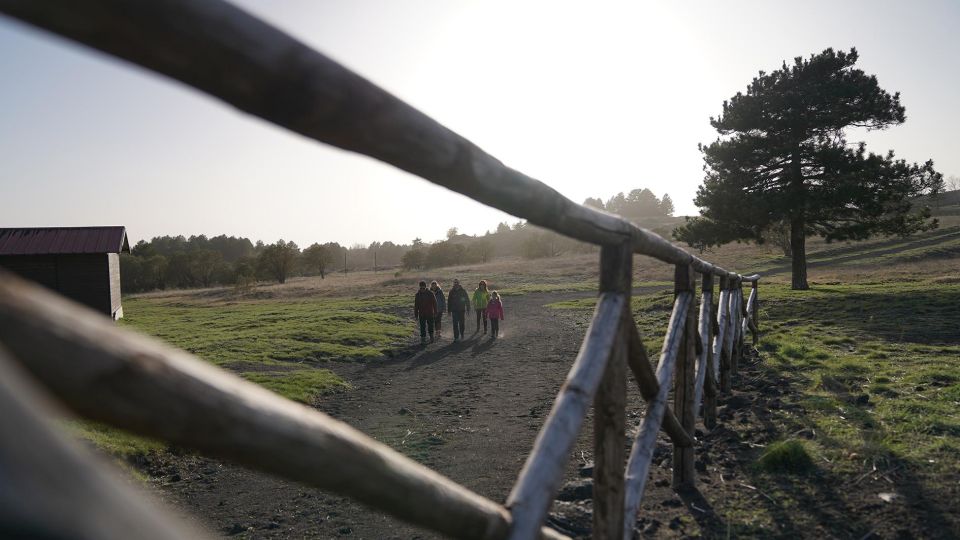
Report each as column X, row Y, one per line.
column 591, row 100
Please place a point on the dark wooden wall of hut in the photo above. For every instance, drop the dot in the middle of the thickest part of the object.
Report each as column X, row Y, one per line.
column 91, row 279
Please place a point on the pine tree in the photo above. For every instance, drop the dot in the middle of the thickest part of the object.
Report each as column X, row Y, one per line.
column 596, row 203
column 666, row 205
column 783, row 156
column 641, row 203
column 617, row 204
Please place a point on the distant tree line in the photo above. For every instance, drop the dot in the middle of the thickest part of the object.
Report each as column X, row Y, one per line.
column 638, row 205
column 176, row 262
column 520, row 240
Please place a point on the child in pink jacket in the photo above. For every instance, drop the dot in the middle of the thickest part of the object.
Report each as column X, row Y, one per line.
column 495, row 313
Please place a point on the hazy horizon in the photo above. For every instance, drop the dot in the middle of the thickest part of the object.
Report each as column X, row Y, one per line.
column 592, row 102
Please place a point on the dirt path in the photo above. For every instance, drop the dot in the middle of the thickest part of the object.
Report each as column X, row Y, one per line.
column 471, row 410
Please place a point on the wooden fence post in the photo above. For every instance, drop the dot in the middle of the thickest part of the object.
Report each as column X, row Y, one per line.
column 755, row 311
column 737, row 320
column 710, row 384
column 610, row 402
column 744, row 322
column 704, row 326
column 724, row 336
column 685, row 382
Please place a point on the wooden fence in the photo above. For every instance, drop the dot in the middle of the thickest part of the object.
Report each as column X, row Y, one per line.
column 49, row 346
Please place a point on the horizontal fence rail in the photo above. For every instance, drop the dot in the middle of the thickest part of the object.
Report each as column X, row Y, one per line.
column 115, row 376
column 53, row 488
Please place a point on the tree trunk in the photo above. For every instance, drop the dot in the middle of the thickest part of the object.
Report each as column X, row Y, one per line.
column 798, row 243
column 798, row 229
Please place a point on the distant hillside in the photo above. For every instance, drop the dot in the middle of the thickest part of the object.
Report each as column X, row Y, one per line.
column 944, row 204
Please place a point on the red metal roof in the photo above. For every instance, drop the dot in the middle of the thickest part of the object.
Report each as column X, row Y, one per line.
column 63, row 240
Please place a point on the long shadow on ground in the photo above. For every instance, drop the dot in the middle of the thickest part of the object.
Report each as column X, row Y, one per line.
column 773, row 401
column 855, row 253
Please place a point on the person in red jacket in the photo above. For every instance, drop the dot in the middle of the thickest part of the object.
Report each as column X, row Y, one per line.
column 425, row 309
column 495, row 314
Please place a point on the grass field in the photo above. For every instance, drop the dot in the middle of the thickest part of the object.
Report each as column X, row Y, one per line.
column 878, row 365
column 278, row 344
column 867, row 370
column 868, row 360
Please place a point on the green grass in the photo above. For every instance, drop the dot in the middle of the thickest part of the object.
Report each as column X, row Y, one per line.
column 531, row 288
column 946, row 249
column 580, row 303
column 651, row 311
column 870, row 373
column 114, row 442
column 789, row 456
column 876, row 364
column 111, row 440
column 301, row 385
column 872, row 369
column 279, row 345
column 574, row 287
column 273, row 332
column 936, row 244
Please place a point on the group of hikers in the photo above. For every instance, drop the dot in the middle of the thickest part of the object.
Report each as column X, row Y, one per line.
column 430, row 304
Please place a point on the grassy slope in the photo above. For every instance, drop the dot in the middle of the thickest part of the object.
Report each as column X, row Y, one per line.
column 878, row 364
column 281, row 336
column 872, row 353
column 871, row 360
column 277, row 343
column 280, row 344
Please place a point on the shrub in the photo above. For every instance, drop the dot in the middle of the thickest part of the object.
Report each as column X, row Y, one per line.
column 789, row 456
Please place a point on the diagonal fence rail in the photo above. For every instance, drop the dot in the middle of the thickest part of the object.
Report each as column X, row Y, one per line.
column 108, row 374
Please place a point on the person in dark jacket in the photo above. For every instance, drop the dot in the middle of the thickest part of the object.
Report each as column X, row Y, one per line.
column 425, row 309
column 458, row 302
column 441, row 306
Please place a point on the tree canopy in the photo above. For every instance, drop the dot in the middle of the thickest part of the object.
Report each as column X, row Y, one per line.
column 637, row 205
column 320, row 257
column 279, row 259
column 783, row 157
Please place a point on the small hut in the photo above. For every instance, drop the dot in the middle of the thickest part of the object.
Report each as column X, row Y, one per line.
column 81, row 263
